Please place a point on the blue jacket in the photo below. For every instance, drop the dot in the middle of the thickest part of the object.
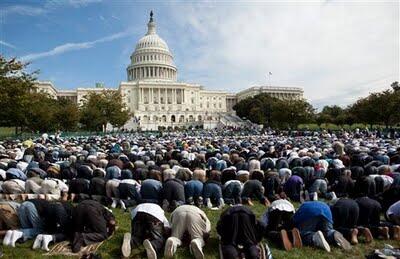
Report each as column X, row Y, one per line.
column 312, row 209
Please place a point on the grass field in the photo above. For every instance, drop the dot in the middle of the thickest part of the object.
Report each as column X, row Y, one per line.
column 111, row 248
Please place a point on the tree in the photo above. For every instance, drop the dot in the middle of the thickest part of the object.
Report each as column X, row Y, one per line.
column 41, row 113
column 98, row 109
column 67, row 115
column 379, row 108
column 270, row 111
column 16, row 85
column 290, row 113
column 395, row 86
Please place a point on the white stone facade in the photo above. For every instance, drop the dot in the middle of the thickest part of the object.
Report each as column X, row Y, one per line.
column 154, row 95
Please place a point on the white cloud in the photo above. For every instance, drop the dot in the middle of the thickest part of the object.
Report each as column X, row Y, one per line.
column 7, row 44
column 332, row 49
column 74, row 46
column 23, row 10
column 48, row 6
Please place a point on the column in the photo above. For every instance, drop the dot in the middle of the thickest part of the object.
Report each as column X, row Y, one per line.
column 174, row 96
column 166, row 96
column 159, row 96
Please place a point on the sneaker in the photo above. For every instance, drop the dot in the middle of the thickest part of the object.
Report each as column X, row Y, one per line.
column 384, row 232
column 196, row 249
column 190, row 201
column 7, row 238
column 396, row 233
column 46, row 241
column 285, row 240
column 353, row 234
column 151, row 253
column 114, row 204
column 122, row 204
column 15, row 236
column 200, row 202
column 297, row 242
column 208, row 202
column 341, row 241
column 126, row 245
column 320, row 242
column 38, row 242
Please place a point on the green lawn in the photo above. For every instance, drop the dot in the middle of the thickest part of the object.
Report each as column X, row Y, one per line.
column 111, row 248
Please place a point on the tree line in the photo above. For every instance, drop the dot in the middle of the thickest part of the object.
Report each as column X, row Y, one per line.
column 381, row 108
column 24, row 107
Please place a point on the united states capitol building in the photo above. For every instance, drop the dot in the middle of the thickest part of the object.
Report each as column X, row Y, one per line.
column 156, row 98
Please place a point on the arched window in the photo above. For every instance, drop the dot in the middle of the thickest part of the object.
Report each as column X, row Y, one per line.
column 173, row 118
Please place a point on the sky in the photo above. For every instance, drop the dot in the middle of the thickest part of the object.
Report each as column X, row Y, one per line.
column 337, row 51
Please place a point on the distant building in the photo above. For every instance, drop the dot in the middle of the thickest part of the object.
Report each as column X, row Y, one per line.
column 155, row 97
column 275, row 91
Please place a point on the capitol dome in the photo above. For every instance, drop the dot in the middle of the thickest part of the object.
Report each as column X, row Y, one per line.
column 152, row 59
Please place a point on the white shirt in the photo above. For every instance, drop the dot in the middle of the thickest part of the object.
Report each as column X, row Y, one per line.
column 281, row 204
column 151, row 209
column 233, row 181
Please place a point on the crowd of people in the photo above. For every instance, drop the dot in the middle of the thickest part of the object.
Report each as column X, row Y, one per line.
column 347, row 186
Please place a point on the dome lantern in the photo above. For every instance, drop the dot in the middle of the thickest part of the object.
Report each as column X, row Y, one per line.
column 151, row 25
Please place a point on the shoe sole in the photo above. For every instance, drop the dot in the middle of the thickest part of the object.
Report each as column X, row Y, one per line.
column 198, row 254
column 126, row 245
column 354, row 234
column 285, row 240
column 297, row 242
column 341, row 241
column 396, row 233
column 325, row 244
column 150, row 252
column 168, row 249
column 7, row 240
column 37, row 245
